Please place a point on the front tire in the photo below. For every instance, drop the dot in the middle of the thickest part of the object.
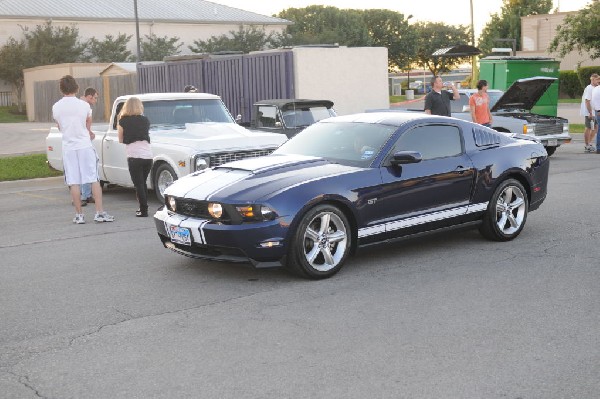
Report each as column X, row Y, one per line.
column 507, row 212
column 321, row 243
column 163, row 178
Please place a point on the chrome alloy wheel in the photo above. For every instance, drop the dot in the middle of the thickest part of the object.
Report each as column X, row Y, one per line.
column 511, row 210
column 325, row 241
column 164, row 180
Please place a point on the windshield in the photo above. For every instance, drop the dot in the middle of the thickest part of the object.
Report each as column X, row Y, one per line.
column 302, row 117
column 176, row 113
column 347, row 143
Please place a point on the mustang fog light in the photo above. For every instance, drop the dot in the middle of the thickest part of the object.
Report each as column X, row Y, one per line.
column 269, row 244
column 215, row 210
column 172, row 203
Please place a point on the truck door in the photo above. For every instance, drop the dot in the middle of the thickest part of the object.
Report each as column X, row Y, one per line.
column 113, row 159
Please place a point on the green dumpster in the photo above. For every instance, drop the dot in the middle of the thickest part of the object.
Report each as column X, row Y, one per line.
column 502, row 71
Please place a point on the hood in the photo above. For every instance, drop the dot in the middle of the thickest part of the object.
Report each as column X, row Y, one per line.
column 212, row 136
column 523, row 94
column 256, row 178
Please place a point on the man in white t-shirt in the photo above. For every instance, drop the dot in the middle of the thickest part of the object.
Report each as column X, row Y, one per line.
column 595, row 104
column 73, row 117
column 589, row 114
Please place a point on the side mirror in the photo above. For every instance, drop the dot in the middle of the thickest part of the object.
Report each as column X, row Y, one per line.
column 406, row 157
column 278, row 124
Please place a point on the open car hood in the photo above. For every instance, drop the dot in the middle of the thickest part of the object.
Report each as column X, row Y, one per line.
column 523, row 94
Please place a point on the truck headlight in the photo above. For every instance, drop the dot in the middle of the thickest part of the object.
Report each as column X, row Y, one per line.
column 565, row 128
column 528, row 129
column 201, row 163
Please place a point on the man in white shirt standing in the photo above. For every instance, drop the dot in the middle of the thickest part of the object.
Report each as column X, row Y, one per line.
column 589, row 113
column 595, row 105
column 73, row 117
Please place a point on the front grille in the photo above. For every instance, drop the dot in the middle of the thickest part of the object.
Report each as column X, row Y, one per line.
column 543, row 129
column 224, row 157
column 192, row 208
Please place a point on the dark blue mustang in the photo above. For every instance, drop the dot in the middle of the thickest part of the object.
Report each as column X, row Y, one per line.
column 352, row 181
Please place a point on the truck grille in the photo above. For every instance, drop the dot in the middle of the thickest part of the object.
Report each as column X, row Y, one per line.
column 224, row 157
column 543, row 129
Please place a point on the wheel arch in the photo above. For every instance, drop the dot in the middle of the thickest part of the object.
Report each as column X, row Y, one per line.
column 521, row 178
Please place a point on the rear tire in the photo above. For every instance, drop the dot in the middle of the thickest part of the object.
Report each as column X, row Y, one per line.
column 321, row 243
column 163, row 178
column 507, row 212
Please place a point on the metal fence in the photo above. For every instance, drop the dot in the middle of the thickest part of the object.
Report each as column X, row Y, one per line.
column 239, row 80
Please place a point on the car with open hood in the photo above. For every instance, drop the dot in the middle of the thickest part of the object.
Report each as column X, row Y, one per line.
column 350, row 182
column 511, row 111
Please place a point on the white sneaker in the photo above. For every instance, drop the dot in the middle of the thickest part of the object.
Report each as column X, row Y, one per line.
column 103, row 217
column 588, row 148
column 79, row 218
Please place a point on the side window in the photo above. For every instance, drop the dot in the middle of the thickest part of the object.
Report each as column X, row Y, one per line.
column 457, row 105
column 266, row 116
column 432, row 141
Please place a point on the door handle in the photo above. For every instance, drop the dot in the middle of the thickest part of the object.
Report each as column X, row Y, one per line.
column 460, row 169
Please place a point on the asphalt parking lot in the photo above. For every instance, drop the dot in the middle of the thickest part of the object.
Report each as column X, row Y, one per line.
column 103, row 311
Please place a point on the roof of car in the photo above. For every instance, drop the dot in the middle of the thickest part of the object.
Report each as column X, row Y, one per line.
column 170, row 96
column 396, row 118
column 283, row 102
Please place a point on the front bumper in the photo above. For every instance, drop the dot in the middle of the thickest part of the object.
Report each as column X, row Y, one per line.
column 553, row 140
column 210, row 240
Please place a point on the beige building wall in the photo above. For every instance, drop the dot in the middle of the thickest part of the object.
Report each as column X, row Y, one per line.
column 55, row 72
column 537, row 31
column 355, row 78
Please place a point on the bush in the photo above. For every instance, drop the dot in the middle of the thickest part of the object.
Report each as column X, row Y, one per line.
column 569, row 84
column 584, row 73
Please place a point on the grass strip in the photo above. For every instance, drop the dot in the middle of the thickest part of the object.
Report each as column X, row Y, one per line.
column 25, row 167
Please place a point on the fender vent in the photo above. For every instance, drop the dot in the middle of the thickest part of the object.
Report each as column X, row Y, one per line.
column 485, row 138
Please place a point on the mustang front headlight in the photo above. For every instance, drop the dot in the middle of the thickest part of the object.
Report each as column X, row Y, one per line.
column 215, row 210
column 171, row 203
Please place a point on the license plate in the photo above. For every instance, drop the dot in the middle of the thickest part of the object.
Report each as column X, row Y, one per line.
column 552, row 143
column 179, row 235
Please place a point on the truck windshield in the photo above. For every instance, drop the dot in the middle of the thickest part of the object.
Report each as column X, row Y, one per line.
column 179, row 112
column 302, row 117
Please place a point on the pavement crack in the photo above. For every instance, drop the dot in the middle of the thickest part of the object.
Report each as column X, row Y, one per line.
column 24, row 380
column 96, row 234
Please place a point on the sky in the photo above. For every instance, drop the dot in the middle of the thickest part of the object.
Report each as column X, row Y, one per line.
column 454, row 12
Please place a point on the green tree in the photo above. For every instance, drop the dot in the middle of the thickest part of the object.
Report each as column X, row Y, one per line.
column 111, row 49
column 13, row 59
column 244, row 39
column 507, row 24
column 580, row 31
column 156, row 48
column 49, row 45
column 324, row 25
column 433, row 36
column 390, row 29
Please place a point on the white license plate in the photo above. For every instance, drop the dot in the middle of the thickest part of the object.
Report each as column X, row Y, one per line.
column 552, row 143
column 179, row 235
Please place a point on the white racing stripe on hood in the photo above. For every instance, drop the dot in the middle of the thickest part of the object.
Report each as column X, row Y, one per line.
column 205, row 184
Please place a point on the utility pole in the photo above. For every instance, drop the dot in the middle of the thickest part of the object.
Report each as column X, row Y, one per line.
column 137, row 30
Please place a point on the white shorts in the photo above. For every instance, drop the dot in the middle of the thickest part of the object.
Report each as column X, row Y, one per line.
column 81, row 166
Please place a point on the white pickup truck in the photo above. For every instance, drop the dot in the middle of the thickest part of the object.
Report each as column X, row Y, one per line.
column 188, row 132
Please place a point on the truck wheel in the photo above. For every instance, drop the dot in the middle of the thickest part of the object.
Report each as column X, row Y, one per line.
column 551, row 150
column 507, row 211
column 163, row 178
